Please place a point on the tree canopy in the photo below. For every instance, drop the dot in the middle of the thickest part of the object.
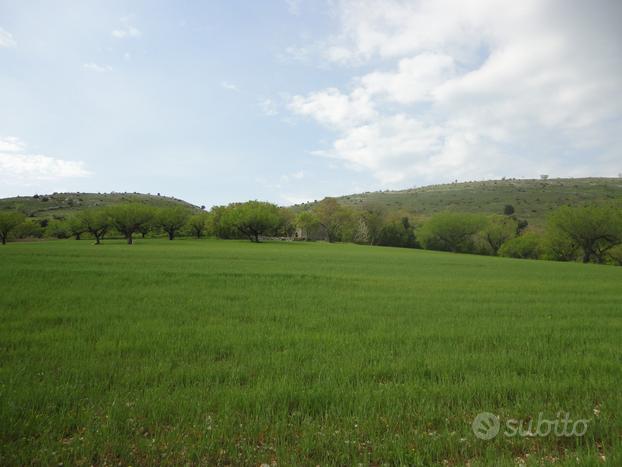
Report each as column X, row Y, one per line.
column 593, row 230
column 130, row 218
column 451, row 231
column 171, row 220
column 254, row 218
column 8, row 222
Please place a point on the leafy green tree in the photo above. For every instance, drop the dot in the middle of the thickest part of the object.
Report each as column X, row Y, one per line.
column 374, row 219
column 398, row 232
column 508, row 210
column 171, row 220
column 254, row 218
column 616, row 255
column 337, row 221
column 76, row 227
column 307, row 222
column 593, row 229
column 130, row 218
column 219, row 222
column 451, row 231
column 288, row 223
column 559, row 247
column 28, row 229
column 198, row 224
column 497, row 231
column 9, row 221
column 57, row 229
column 526, row 246
column 95, row 221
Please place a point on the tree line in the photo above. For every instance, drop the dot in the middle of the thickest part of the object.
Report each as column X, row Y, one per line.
column 587, row 234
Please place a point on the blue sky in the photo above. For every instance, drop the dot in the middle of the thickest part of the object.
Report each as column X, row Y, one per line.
column 293, row 100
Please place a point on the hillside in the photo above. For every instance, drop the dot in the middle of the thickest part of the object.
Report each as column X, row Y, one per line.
column 532, row 199
column 60, row 205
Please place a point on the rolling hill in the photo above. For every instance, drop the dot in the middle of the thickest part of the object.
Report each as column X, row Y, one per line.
column 60, row 205
column 532, row 199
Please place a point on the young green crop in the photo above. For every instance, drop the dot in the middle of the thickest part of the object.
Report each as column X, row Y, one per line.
column 232, row 353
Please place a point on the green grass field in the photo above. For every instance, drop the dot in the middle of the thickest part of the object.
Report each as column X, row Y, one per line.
column 226, row 352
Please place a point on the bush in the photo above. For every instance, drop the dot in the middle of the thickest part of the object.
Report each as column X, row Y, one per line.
column 527, row 246
column 615, row 254
column 57, row 229
column 451, row 231
column 398, row 232
column 28, row 229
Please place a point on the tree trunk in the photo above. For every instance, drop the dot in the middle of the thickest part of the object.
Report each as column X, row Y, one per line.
column 256, row 237
column 96, row 239
column 4, row 239
column 129, row 239
column 171, row 235
column 77, row 236
column 586, row 257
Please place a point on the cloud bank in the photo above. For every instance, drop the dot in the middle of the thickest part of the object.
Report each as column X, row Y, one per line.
column 478, row 89
column 19, row 168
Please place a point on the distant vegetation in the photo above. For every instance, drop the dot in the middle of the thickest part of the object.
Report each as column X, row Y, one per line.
column 588, row 232
column 59, row 206
column 532, row 200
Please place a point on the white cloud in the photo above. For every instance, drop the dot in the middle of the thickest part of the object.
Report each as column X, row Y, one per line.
column 415, row 80
column 6, row 39
column 332, row 108
column 229, row 86
column 11, row 144
column 474, row 89
column 405, row 146
column 92, row 66
column 19, row 168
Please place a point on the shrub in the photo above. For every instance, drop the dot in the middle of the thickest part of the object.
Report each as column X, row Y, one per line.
column 451, row 231
column 527, row 246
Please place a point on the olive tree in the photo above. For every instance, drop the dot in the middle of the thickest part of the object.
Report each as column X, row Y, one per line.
column 8, row 222
column 594, row 230
column 130, row 218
